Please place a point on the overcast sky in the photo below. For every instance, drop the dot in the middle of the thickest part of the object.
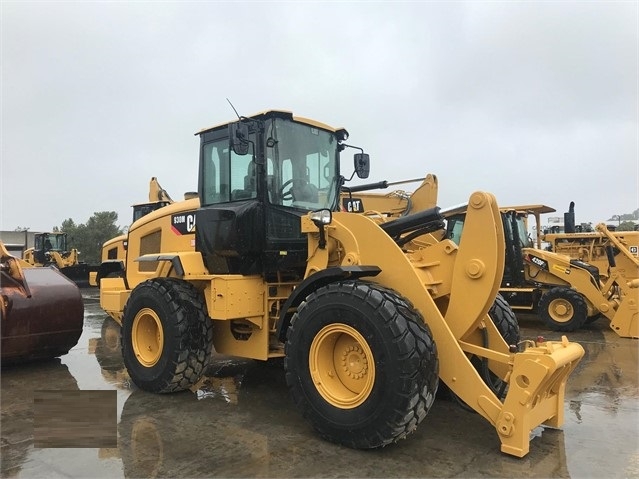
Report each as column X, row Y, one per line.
column 535, row 102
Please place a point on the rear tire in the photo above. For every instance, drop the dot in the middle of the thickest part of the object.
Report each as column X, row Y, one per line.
column 361, row 364
column 563, row 309
column 167, row 336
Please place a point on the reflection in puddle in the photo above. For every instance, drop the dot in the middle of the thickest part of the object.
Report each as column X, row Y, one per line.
column 212, row 387
column 222, row 379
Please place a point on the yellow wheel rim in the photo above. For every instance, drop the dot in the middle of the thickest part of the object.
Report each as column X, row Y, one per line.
column 342, row 366
column 147, row 337
column 560, row 310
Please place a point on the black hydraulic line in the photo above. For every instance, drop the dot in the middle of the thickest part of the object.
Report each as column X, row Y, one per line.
column 610, row 253
column 380, row 185
column 369, row 186
column 408, row 223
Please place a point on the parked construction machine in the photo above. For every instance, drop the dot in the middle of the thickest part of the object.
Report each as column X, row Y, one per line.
column 598, row 248
column 566, row 290
column 41, row 311
column 368, row 317
column 50, row 249
column 114, row 250
column 566, row 293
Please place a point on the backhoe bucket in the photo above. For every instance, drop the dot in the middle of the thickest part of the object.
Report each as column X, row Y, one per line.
column 536, row 390
column 41, row 311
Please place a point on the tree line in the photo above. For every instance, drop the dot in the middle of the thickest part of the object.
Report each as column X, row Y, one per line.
column 89, row 237
column 626, row 222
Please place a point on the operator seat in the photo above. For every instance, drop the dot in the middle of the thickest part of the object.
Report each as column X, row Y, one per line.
column 305, row 191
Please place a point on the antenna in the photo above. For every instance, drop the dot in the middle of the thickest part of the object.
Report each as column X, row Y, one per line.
column 238, row 115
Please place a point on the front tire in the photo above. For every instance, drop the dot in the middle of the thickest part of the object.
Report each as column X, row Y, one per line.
column 505, row 320
column 563, row 309
column 361, row 364
column 167, row 336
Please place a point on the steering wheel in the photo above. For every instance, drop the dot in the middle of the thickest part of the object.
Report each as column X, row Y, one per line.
column 288, row 195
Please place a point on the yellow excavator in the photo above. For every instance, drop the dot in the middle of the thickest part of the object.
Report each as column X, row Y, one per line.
column 369, row 316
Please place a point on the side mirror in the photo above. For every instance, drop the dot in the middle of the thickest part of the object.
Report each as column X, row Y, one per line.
column 362, row 165
column 238, row 138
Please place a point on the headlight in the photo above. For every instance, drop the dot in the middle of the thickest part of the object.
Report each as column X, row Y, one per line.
column 321, row 217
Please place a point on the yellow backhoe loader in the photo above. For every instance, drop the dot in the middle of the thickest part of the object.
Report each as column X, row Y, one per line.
column 368, row 316
column 566, row 293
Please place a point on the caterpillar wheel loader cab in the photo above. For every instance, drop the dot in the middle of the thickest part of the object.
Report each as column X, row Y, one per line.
column 368, row 317
column 51, row 249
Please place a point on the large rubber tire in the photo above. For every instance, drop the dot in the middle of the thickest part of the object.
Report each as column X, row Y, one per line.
column 593, row 318
column 506, row 323
column 167, row 336
column 505, row 320
column 361, row 364
column 562, row 309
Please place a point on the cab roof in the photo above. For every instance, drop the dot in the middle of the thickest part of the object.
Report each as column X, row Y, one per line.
column 534, row 209
column 279, row 114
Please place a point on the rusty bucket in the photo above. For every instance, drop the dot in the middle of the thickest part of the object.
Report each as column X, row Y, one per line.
column 41, row 311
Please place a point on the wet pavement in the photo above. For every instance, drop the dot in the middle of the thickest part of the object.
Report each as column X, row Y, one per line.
column 240, row 422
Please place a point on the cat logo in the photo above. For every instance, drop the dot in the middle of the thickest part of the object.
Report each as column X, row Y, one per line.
column 353, row 205
column 183, row 223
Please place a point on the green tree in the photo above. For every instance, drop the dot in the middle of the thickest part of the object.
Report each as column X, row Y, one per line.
column 88, row 238
column 625, row 217
column 626, row 226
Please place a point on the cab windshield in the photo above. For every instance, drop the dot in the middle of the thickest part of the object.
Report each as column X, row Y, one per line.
column 49, row 242
column 300, row 167
column 525, row 239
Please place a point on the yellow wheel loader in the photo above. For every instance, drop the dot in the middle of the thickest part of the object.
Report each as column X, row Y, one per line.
column 114, row 250
column 50, row 249
column 369, row 316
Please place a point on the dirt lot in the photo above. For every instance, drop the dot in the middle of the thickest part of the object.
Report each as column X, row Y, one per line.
column 240, row 422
